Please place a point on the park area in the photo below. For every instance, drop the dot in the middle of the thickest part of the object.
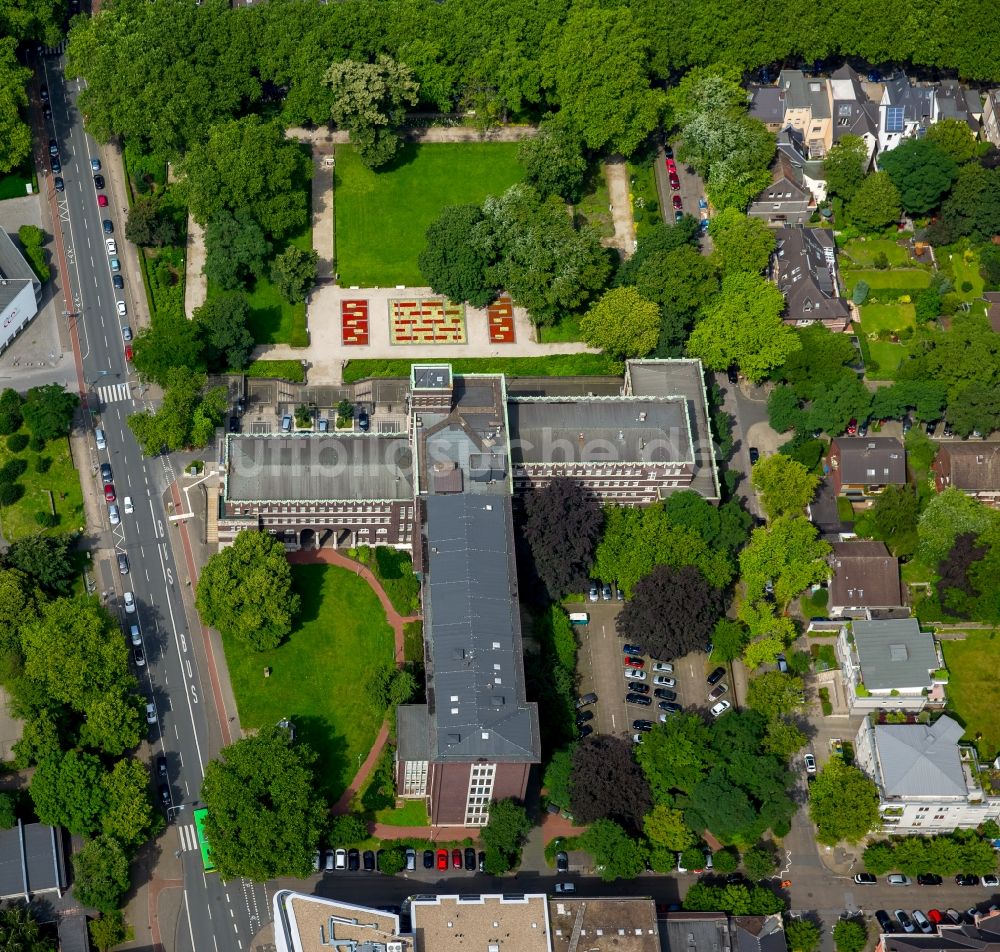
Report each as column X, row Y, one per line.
column 973, row 691
column 50, row 496
column 381, row 217
column 318, row 675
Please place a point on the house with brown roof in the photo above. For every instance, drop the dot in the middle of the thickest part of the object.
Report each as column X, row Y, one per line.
column 973, row 467
column 860, row 467
column 864, row 578
column 804, row 266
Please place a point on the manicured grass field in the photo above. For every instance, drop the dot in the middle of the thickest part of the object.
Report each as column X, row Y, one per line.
column 892, row 317
column 973, row 689
column 906, row 279
column 967, row 271
column 558, row 365
column 411, row 813
column 864, row 253
column 61, row 478
column 888, row 356
column 381, row 217
column 272, row 319
column 318, row 674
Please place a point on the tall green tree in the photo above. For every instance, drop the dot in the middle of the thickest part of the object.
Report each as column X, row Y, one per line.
column 450, row 263
column 789, row 554
column 187, row 417
column 222, row 324
column 130, row 818
column 843, row 803
column 15, row 136
column 851, row 935
column 876, row 203
column 741, row 243
column 370, row 100
column 615, row 853
column 68, row 790
column 172, row 342
column 553, row 160
column 264, row 815
column 954, row 138
column 48, row 410
column 622, row 323
column 785, row 486
column 774, row 693
column 921, row 171
column 20, row 930
column 245, row 591
column 949, row 514
column 236, row 249
column 101, row 874
column 150, row 223
column 803, row 935
column 504, row 835
column 294, row 272
column 845, row 166
column 113, row 721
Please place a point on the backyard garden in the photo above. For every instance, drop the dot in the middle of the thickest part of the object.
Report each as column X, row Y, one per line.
column 973, row 691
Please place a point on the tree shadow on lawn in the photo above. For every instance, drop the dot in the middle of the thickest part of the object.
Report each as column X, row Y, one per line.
column 333, row 772
column 307, row 581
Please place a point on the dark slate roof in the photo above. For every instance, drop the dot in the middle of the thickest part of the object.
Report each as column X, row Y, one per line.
column 917, row 101
column 759, row 934
column 804, row 92
column 894, row 653
column 956, row 101
column 969, row 938
column 974, row 467
column 767, row 103
column 786, row 183
column 865, row 575
column 413, row 732
column 32, row 860
column 318, row 466
column 804, row 263
column 472, row 628
column 695, row 932
column 871, row 460
column 73, row 936
column 13, row 265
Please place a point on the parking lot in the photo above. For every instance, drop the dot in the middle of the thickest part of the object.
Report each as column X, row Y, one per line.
column 602, row 671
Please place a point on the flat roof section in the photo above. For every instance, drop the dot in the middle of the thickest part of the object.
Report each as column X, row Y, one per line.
column 313, row 924
column 318, row 467
column 605, row 925
column 490, row 923
column 31, row 860
column 600, row 429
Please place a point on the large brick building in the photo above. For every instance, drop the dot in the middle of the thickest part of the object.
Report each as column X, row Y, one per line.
column 444, row 490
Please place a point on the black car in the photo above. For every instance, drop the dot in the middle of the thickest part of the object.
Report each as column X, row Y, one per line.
column 962, row 879
column 109, row 226
column 364, row 421
column 865, row 879
column 118, row 281
column 123, row 563
column 584, row 716
column 55, row 164
column 632, row 649
column 734, row 376
column 428, row 859
column 369, row 861
column 586, row 731
column 633, row 698
column 590, row 698
column 641, row 725
column 754, row 455
column 884, row 920
column 46, row 111
column 234, row 424
column 669, row 707
column 562, row 862
column 53, row 147
column 482, row 862
column 353, row 859
column 98, row 182
column 665, row 695
column 636, row 688
column 161, row 766
column 716, row 676
column 106, row 472
column 931, row 427
column 138, row 656
column 43, row 93
column 929, row 879
column 470, row 859
column 668, row 152
column 165, row 795
column 59, row 184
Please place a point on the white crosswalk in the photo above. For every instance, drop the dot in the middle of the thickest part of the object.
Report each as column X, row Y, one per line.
column 189, row 839
column 114, row 392
column 56, row 50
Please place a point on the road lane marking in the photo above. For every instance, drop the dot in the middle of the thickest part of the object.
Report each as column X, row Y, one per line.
column 194, row 945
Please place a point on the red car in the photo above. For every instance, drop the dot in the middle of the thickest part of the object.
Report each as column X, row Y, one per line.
column 677, row 202
column 852, row 427
column 128, row 352
column 935, row 916
column 634, row 662
column 102, row 201
column 675, row 183
column 671, row 166
column 442, row 859
column 456, row 859
column 109, row 492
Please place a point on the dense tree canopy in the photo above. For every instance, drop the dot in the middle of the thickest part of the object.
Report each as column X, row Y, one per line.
column 921, row 171
column 740, row 243
column 265, row 817
column 622, row 323
column 15, row 136
column 789, row 554
column 845, row 165
column 553, row 160
column 48, row 410
column 450, row 263
column 222, row 325
column 876, row 202
column 843, row 803
column 784, row 486
column 245, row 591
column 607, row 783
column 187, row 417
column 236, row 248
column 101, row 874
column 618, row 854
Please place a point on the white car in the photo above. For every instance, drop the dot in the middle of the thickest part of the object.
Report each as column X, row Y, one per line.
column 341, row 859
column 122, row 309
column 720, row 708
column 635, row 674
column 150, row 713
column 663, row 666
column 127, row 505
column 135, row 635
column 810, row 763
column 663, row 681
column 111, row 246
column 113, row 516
column 130, row 603
column 990, row 880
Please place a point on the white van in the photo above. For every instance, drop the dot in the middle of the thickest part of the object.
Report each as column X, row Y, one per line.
column 102, row 444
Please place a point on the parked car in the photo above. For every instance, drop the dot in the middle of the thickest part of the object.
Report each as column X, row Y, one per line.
column 904, row 920
column 353, row 859
column 428, row 859
column 642, row 725
column 936, row 916
column 931, row 427
column 677, row 203
column 990, row 880
column 115, row 264
column 884, row 920
column 595, row 592
column 139, row 656
column 135, row 636
column 456, row 858
column 922, row 922
column 368, row 861
column 126, row 330
column 470, row 859
column 98, row 182
column 99, row 438
column 341, row 855
column 55, row 165
column 118, row 282
column 718, row 691
column 717, row 710
column 562, row 889
column 664, row 695
column 122, row 308
column 106, row 474
column 442, row 859
column 562, row 862
column 286, row 424
column 929, row 879
column 632, row 650
column 165, row 796
column 663, row 667
column 95, row 165
column 53, row 147
column 161, row 767
column 865, row 879
column 586, row 699
column 635, row 674
column 639, row 688
column 810, row 763
column 583, row 716
column 898, row 879
column 669, row 707
column 109, row 226
column 59, row 184
column 482, row 861
column 150, row 712
column 633, row 661
column 665, row 682
column 754, row 455
column 964, row 880
column 123, row 563
column 606, row 592
column 852, row 427
column 127, row 504
column 129, row 603
column 733, row 375
column 102, row 201
column 640, row 699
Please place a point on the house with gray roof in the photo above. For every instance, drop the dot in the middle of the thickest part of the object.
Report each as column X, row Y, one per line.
column 804, row 267
column 864, row 578
column 32, row 861
column 684, row 931
column 927, row 780
column 786, row 201
column 860, row 467
column 20, row 291
column 853, row 112
column 890, row 664
column 990, row 129
column 905, row 111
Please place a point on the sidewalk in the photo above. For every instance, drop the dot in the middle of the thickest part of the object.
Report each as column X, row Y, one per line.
column 616, row 174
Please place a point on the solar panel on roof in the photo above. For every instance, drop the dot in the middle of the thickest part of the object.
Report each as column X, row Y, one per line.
column 894, row 119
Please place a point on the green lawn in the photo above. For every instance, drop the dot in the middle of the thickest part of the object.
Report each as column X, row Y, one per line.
column 888, row 356
column 381, row 217
column 645, row 198
column 864, row 253
column 61, row 479
column 567, row 329
column 595, row 205
column 318, row 674
column 967, row 271
column 903, row 279
column 891, row 317
column 558, row 365
column 411, row 813
column 973, row 689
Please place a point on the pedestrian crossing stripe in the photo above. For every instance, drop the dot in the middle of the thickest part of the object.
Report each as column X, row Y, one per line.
column 189, row 839
column 114, row 392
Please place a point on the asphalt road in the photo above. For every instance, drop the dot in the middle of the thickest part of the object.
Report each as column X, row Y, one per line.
column 216, row 915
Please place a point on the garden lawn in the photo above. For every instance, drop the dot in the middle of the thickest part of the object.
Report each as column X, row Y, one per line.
column 864, row 253
column 903, row 279
column 558, row 365
column 644, row 197
column 62, row 479
column 595, row 205
column 318, row 674
column 888, row 356
column 381, row 217
column 887, row 317
column 967, row 271
column 411, row 813
column 973, row 688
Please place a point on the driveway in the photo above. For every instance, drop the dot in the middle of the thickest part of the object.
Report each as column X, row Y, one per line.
column 692, row 188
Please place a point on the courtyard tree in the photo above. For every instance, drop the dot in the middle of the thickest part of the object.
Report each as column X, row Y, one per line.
column 759, row 863
column 949, row 514
column 729, row 639
column 971, row 209
column 843, row 803
column 504, row 835
column 744, row 328
column 187, row 417
column 110, row 930
column 803, row 935
column 954, row 138
column 553, row 160
column 247, row 164
column 563, row 524
column 921, row 171
column 665, row 827
column 607, row 783
column 222, row 325
column 787, row 553
column 150, row 223
column 264, row 814
column 851, row 935
column 245, row 591
column 294, row 272
column 605, row 95
column 450, row 263
column 622, row 323
column 845, row 165
column 876, row 203
column 671, row 611
column 172, row 342
column 113, row 721
column 774, row 693
column 48, row 410
column 67, row 789
column 617, row 854
column 784, row 486
column 893, row 519
column 236, row 249
column 370, row 101
column 101, row 869
column 740, row 243
column 15, row 136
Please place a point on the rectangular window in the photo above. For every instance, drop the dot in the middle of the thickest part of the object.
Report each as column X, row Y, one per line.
column 477, row 801
column 414, row 779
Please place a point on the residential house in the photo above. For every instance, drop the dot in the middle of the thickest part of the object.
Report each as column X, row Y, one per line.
column 890, row 664
column 990, row 128
column 804, row 266
column 905, row 111
column 767, row 104
column 973, row 467
column 861, row 467
column 982, row 935
column 927, row 781
column 20, row 291
column 853, row 112
column 864, row 578
column 955, row 101
column 718, row 932
column 808, row 109
column 786, row 201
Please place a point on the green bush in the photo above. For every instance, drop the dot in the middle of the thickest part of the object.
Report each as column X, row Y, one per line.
column 43, row 464
column 10, row 412
column 10, row 493
column 349, row 828
column 290, row 370
column 881, row 261
column 824, row 702
column 32, row 239
column 36, row 444
column 47, row 520
column 966, row 287
column 8, row 810
column 12, row 469
column 16, row 442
